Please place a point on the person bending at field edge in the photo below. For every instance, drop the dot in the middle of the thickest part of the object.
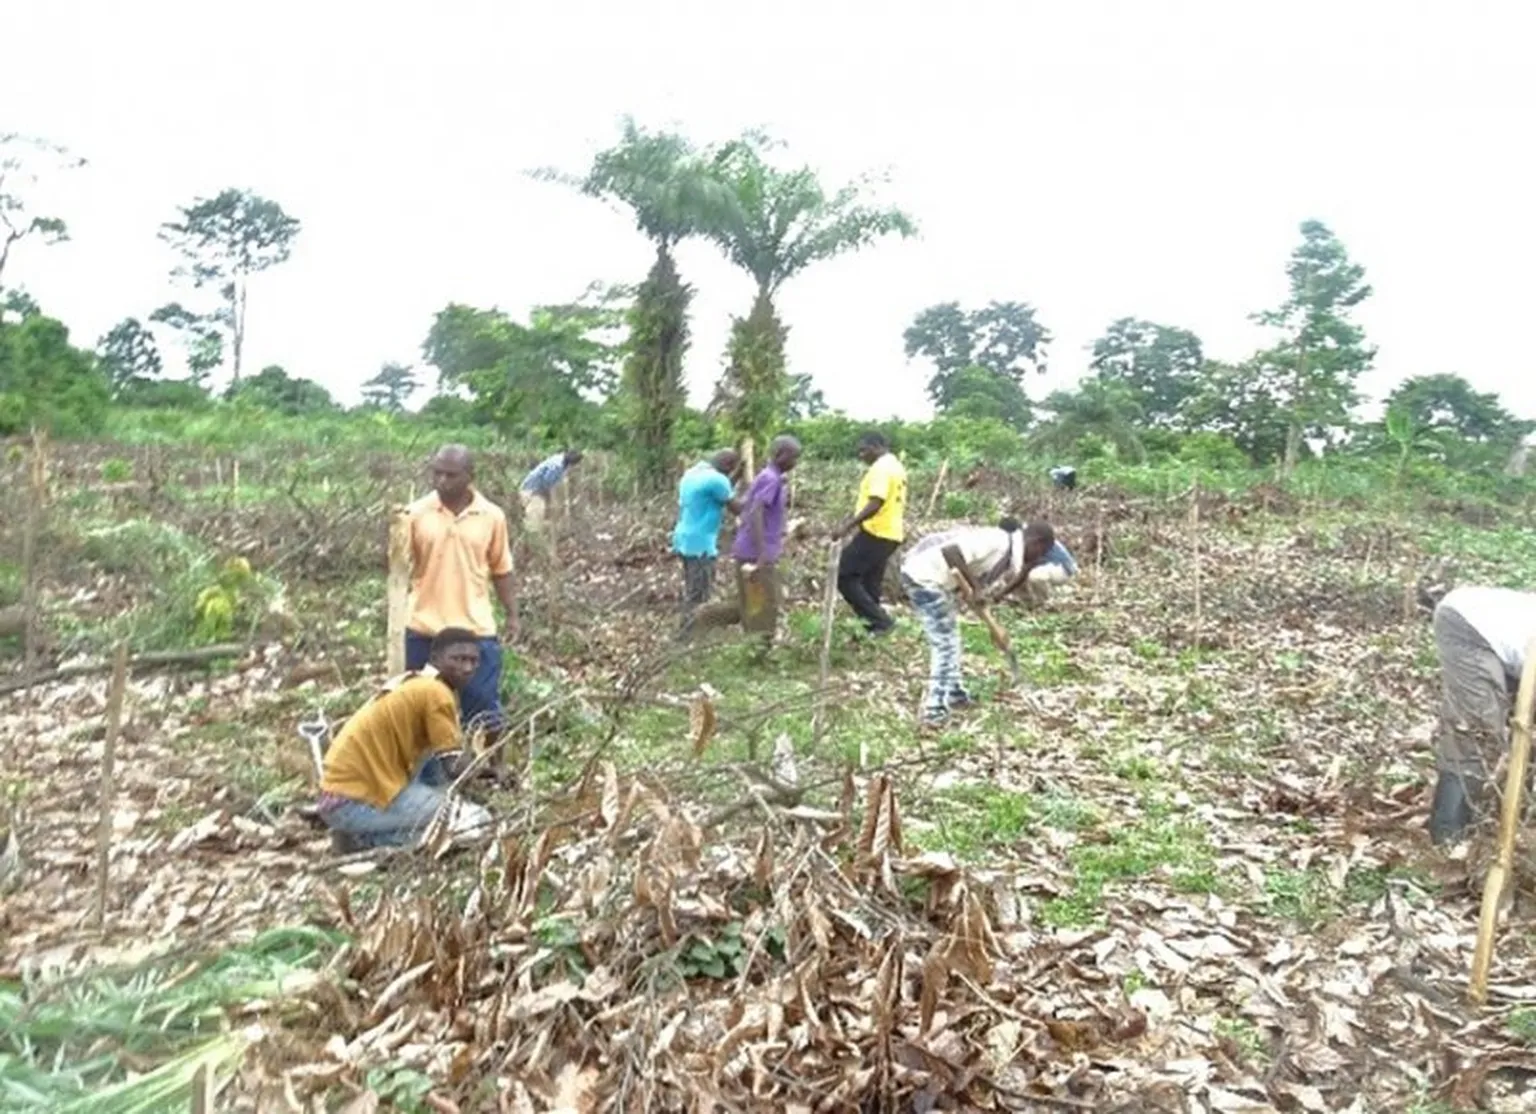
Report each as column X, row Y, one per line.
column 703, row 496
column 1480, row 638
column 877, row 528
column 386, row 775
column 969, row 562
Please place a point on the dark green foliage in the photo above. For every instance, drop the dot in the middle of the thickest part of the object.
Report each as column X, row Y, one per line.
column 1003, row 338
column 753, row 393
column 542, row 381
column 272, row 388
column 975, row 392
column 1160, row 366
column 653, row 370
column 46, row 381
column 1312, row 371
column 389, row 389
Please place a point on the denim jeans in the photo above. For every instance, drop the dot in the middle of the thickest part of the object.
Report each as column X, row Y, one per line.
column 481, row 697
column 406, row 817
column 936, row 611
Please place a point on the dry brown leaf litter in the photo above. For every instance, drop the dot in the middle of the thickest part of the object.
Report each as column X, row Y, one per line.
column 1156, row 1008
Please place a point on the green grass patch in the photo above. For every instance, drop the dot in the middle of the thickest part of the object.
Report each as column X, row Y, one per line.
column 1156, row 847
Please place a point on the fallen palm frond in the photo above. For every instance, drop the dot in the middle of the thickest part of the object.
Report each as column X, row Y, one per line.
column 132, row 1039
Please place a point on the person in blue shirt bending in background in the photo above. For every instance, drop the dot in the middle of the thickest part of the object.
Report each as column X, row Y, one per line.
column 540, row 482
column 703, row 495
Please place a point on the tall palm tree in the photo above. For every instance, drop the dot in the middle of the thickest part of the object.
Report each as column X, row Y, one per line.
column 669, row 189
column 777, row 224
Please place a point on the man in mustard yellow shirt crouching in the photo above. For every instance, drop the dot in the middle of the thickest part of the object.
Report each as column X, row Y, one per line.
column 878, row 527
column 386, row 775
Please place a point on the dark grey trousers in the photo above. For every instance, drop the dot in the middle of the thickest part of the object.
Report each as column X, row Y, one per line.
column 1475, row 698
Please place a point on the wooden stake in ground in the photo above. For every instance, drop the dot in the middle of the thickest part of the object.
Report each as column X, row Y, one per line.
column 1509, row 824
column 1098, row 560
column 398, row 590
column 108, row 791
column 1194, row 530
column 938, row 486
column 828, row 612
column 749, row 458
column 31, row 530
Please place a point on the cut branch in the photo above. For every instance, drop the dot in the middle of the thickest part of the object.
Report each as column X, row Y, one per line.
column 156, row 659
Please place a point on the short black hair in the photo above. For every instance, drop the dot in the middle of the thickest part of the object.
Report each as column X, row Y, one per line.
column 1009, row 524
column 449, row 637
column 874, row 438
column 1041, row 532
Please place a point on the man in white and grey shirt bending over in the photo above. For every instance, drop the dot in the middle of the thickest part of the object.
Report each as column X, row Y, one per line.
column 1480, row 636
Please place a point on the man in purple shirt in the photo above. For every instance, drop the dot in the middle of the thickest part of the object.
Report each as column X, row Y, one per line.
column 759, row 542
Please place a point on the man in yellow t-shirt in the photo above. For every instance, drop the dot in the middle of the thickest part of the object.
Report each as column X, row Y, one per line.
column 877, row 528
column 385, row 776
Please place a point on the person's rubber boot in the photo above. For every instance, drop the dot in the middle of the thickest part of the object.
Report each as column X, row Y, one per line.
column 1451, row 812
column 344, row 844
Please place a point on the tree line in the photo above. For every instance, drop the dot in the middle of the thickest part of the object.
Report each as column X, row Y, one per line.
column 608, row 368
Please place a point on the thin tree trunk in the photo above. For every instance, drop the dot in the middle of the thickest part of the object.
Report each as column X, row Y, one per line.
column 238, row 331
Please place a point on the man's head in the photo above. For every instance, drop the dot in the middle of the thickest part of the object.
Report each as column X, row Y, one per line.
column 455, row 654
column 1039, row 537
column 572, row 456
column 784, row 452
column 453, row 470
column 727, row 462
column 872, row 446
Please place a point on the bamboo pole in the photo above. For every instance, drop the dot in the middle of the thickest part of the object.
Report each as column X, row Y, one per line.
column 938, row 486
column 108, row 790
column 397, row 591
column 1098, row 559
column 828, row 612
column 1509, row 825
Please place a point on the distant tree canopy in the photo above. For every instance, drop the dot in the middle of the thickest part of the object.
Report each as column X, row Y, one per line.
column 1159, row 367
column 389, row 389
column 272, row 388
column 544, row 379
column 45, row 380
column 1002, row 340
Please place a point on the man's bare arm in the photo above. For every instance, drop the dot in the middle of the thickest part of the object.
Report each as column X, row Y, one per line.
column 508, row 597
column 956, row 561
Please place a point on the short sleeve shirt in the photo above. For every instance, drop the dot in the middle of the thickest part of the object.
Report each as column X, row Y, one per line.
column 885, row 480
column 453, row 560
column 701, row 499
column 768, row 492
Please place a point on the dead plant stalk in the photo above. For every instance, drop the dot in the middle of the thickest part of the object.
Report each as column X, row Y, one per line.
column 108, row 791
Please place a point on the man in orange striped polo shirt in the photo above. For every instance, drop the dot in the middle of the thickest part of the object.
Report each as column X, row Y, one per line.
column 459, row 553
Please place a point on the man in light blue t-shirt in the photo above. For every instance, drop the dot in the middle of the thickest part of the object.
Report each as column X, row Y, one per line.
column 702, row 498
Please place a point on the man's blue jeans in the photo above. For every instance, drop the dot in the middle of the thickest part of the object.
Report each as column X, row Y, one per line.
column 406, row 817
column 480, row 700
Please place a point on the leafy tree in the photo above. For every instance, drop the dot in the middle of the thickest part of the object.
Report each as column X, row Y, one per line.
column 129, row 356
column 1321, row 353
column 272, row 388
column 19, row 158
column 672, row 194
column 1242, row 402
column 201, row 335
column 778, row 223
column 223, row 241
column 1448, row 404
column 1159, row 364
column 805, row 398
column 541, row 379
column 1409, row 437
column 46, row 381
column 389, row 389
column 1108, row 411
column 976, row 392
column 1002, row 337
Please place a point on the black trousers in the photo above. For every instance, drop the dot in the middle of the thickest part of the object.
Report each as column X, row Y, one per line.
column 860, row 571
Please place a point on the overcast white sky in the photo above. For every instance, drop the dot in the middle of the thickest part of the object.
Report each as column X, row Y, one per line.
column 1095, row 159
